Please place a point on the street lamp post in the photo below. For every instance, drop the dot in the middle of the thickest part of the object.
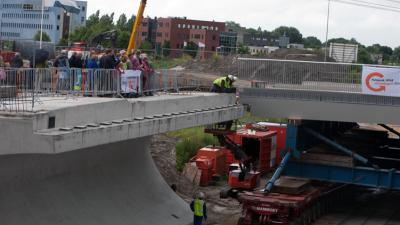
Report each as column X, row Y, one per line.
column 327, row 30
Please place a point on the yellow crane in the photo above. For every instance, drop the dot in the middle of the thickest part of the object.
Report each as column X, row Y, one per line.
column 136, row 25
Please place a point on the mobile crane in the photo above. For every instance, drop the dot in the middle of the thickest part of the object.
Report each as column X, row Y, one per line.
column 136, row 25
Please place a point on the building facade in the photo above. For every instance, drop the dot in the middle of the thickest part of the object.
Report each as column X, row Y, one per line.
column 21, row 20
column 180, row 31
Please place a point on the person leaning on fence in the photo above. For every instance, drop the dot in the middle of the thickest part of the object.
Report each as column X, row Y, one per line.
column 61, row 75
column 17, row 61
column 224, row 84
column 135, row 60
column 146, row 75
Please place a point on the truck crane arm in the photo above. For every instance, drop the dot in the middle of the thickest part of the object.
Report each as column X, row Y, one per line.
column 136, row 25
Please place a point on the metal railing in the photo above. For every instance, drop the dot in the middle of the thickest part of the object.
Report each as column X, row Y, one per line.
column 305, row 80
column 21, row 89
column 302, row 75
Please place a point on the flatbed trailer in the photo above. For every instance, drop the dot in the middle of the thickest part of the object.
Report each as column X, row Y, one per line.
column 259, row 208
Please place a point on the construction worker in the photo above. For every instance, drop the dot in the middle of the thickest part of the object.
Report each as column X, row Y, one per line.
column 198, row 206
column 224, row 84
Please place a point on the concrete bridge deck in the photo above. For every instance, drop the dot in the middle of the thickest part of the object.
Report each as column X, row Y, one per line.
column 86, row 160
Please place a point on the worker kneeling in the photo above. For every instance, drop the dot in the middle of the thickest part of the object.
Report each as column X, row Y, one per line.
column 224, row 84
column 199, row 208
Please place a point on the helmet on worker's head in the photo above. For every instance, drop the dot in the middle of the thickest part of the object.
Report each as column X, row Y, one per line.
column 201, row 195
column 232, row 78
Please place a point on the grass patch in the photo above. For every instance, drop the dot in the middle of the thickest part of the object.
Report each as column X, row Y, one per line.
column 168, row 63
column 191, row 140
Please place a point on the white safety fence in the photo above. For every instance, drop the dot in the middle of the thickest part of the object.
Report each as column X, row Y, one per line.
column 21, row 89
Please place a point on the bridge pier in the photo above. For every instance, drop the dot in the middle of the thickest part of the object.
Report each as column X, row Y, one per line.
column 110, row 184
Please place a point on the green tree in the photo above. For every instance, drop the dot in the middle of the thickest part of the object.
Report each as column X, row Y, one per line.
column 243, row 49
column 45, row 37
column 312, row 42
column 363, row 56
column 122, row 22
column 396, row 54
column 191, row 49
column 146, row 45
column 166, row 48
column 293, row 33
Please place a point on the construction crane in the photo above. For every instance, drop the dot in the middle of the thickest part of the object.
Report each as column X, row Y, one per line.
column 136, row 25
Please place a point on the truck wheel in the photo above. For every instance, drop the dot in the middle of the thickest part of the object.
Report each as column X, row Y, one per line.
column 224, row 193
column 240, row 221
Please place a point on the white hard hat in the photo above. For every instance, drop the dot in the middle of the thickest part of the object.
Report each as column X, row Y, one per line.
column 232, row 78
column 201, row 195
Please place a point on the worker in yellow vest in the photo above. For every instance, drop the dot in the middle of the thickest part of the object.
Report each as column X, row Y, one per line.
column 199, row 208
column 224, row 84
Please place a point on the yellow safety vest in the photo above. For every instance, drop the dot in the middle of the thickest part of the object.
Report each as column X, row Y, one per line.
column 218, row 82
column 198, row 207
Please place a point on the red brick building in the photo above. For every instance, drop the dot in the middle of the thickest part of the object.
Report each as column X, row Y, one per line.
column 178, row 31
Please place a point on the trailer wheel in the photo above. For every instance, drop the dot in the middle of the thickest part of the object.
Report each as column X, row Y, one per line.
column 240, row 221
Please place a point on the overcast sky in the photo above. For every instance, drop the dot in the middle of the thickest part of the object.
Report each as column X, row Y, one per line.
column 367, row 25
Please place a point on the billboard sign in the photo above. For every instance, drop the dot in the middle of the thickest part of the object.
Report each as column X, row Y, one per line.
column 381, row 81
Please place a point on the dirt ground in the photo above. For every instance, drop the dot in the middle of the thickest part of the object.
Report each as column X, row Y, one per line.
column 220, row 211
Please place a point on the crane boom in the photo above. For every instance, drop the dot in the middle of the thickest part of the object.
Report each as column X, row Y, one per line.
column 136, row 25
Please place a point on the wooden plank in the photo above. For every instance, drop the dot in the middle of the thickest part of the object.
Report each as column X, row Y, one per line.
column 327, row 159
column 290, row 185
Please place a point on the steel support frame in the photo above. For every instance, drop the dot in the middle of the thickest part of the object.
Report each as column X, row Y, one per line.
column 388, row 179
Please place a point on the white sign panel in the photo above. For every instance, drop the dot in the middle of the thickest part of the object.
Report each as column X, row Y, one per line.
column 381, row 81
column 130, row 81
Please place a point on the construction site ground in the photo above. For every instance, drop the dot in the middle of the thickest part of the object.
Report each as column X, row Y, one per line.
column 363, row 207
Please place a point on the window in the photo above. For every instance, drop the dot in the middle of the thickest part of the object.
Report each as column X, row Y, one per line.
column 160, row 24
column 83, row 8
column 159, row 34
column 216, row 28
column 58, row 17
column 184, row 26
column 214, row 37
column 27, row 7
column 197, row 36
column 212, row 48
column 82, row 19
column 58, row 27
column 144, row 24
column 144, row 34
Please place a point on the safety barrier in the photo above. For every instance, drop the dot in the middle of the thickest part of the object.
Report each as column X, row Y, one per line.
column 305, row 80
column 20, row 89
column 302, row 75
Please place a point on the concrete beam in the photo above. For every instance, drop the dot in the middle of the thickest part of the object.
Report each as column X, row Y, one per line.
column 122, row 120
column 275, row 105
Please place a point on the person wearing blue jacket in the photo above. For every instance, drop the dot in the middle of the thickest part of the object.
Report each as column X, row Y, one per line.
column 199, row 209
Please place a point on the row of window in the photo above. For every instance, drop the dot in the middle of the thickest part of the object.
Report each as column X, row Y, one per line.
column 28, row 26
column 25, row 16
column 10, row 34
column 159, row 34
column 198, row 27
column 161, row 24
column 22, row 6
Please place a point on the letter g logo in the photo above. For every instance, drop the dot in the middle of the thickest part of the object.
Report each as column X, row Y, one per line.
column 368, row 82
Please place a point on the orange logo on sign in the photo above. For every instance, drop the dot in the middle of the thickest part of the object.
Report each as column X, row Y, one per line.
column 372, row 76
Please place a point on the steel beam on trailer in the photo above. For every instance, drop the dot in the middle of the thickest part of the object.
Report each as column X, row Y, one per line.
column 378, row 178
